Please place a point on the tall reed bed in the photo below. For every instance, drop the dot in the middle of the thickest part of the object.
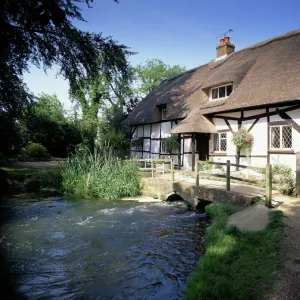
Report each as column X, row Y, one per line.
column 100, row 175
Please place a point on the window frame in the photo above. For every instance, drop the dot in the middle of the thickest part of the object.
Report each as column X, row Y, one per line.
column 164, row 111
column 280, row 137
column 219, row 142
column 218, row 88
column 163, row 142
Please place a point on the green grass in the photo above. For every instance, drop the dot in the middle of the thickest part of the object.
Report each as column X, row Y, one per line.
column 237, row 265
column 50, row 177
column 100, row 176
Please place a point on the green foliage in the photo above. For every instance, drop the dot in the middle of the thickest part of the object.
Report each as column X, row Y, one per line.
column 150, row 75
column 243, row 139
column 237, row 265
column 172, row 143
column 35, row 151
column 205, row 166
column 100, row 175
column 45, row 122
column 43, row 33
column 283, row 176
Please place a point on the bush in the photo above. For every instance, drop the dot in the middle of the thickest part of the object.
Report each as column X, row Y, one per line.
column 34, row 151
column 283, row 175
column 100, row 175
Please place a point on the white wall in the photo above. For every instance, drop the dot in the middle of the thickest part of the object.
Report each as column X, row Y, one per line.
column 259, row 131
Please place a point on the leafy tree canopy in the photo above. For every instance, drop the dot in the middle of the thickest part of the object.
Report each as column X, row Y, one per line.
column 150, row 75
column 42, row 33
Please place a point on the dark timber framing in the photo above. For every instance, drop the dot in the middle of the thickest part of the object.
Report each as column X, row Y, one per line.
column 280, row 110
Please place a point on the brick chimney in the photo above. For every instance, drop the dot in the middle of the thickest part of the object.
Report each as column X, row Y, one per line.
column 225, row 47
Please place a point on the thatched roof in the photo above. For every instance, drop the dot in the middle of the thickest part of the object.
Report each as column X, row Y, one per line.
column 195, row 122
column 265, row 73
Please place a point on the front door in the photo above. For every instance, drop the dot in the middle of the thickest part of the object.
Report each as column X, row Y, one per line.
column 203, row 145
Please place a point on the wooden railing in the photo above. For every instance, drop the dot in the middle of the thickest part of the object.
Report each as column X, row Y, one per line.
column 153, row 166
column 153, row 162
column 267, row 170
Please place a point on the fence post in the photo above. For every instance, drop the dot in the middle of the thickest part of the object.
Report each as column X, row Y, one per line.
column 269, row 186
column 152, row 168
column 228, row 175
column 197, row 173
column 172, row 171
column 298, row 175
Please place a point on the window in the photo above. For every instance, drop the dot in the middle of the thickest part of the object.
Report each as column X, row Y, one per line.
column 281, row 137
column 163, row 146
column 221, row 92
column 220, row 142
column 164, row 111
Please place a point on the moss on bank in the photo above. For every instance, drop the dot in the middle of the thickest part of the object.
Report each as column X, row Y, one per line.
column 237, row 265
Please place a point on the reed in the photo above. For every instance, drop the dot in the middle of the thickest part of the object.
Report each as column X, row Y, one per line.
column 100, row 175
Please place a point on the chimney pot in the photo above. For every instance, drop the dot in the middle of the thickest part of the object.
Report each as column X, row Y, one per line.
column 227, row 39
column 222, row 41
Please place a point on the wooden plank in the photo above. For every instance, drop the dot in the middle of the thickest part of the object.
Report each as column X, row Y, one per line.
column 285, row 116
column 152, row 168
column 211, row 175
column 228, row 176
column 197, row 173
column 253, row 124
column 298, row 175
column 172, row 171
column 193, row 151
column 269, row 185
column 228, row 124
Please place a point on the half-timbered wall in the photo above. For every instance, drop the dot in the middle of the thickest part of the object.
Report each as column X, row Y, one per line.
column 258, row 122
column 153, row 134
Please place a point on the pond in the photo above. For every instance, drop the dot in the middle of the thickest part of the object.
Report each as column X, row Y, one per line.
column 60, row 248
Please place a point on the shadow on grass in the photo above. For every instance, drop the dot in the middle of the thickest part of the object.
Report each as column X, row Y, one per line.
column 237, row 265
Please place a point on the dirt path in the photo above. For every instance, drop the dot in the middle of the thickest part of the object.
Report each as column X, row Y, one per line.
column 287, row 286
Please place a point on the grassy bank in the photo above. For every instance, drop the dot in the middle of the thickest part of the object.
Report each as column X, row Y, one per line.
column 237, row 265
column 100, row 176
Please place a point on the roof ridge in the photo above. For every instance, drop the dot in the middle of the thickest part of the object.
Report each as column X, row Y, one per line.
column 255, row 46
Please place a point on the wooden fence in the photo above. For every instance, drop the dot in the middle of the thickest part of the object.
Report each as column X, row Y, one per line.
column 162, row 162
column 228, row 164
column 151, row 165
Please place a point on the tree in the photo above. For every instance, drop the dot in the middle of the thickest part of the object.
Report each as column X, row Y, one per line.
column 45, row 122
column 102, row 94
column 41, row 32
column 150, row 75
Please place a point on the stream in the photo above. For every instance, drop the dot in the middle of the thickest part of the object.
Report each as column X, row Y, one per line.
column 59, row 248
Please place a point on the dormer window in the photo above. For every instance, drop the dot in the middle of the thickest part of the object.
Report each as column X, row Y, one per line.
column 164, row 111
column 221, row 92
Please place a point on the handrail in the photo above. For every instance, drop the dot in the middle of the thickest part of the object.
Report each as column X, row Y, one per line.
column 228, row 165
column 154, row 169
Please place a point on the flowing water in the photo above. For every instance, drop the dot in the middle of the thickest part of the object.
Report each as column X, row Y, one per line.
column 75, row 249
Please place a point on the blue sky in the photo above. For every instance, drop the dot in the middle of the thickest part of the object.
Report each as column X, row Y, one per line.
column 177, row 31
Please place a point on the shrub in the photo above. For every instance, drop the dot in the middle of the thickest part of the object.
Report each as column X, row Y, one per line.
column 100, row 175
column 172, row 143
column 205, row 166
column 283, row 175
column 35, row 151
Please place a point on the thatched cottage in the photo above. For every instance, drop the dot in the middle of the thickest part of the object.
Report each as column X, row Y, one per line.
column 257, row 88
